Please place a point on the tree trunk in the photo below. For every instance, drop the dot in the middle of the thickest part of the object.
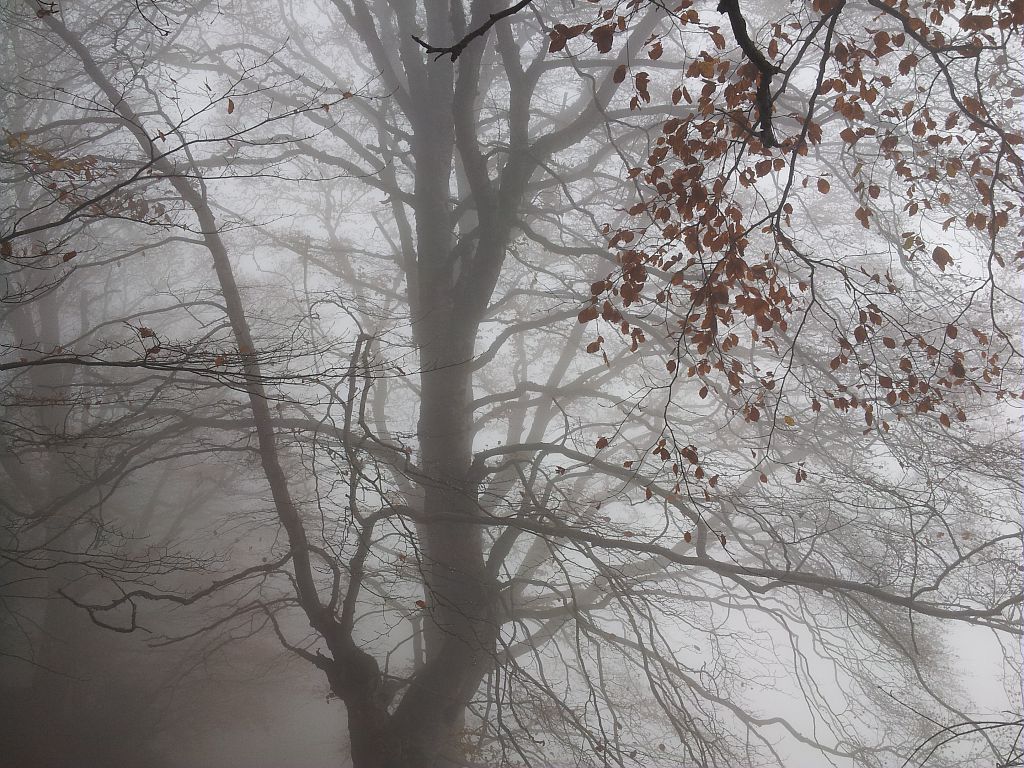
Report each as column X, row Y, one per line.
column 461, row 630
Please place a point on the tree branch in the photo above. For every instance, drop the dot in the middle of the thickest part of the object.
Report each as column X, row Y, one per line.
column 456, row 50
column 765, row 68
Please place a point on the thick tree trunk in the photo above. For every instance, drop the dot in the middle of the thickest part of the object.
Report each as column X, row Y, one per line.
column 461, row 627
column 461, row 596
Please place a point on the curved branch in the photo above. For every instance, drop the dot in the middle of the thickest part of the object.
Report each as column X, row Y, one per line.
column 765, row 69
column 456, row 49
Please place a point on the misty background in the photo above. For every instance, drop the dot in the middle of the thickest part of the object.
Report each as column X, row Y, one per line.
column 361, row 407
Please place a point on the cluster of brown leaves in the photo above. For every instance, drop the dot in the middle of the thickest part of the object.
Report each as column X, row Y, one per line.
column 737, row 271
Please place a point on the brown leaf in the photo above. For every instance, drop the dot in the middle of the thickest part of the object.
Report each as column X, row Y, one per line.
column 603, row 36
column 908, row 63
column 976, row 21
column 642, row 80
column 231, row 106
column 941, row 257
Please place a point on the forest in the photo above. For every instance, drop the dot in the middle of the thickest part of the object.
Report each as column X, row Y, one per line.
column 492, row 384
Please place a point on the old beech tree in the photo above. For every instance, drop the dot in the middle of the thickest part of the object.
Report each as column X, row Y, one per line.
column 605, row 384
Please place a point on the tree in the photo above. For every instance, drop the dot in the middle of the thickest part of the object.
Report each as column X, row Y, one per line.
column 512, row 540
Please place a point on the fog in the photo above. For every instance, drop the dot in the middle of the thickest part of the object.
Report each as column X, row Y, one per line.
column 391, row 384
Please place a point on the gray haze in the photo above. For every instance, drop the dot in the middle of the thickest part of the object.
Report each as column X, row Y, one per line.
column 626, row 385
